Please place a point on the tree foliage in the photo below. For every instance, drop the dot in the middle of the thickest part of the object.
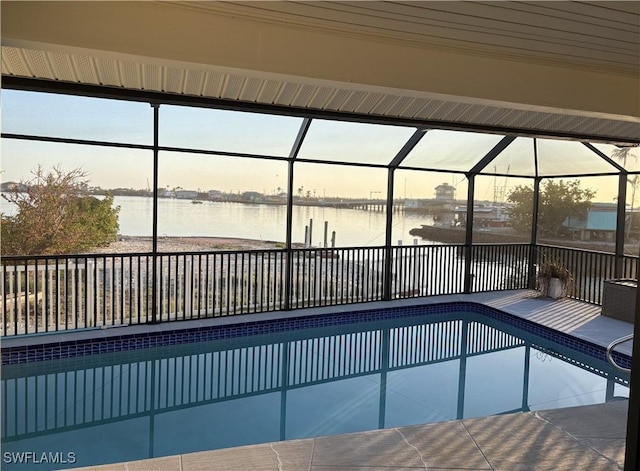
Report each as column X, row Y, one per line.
column 54, row 215
column 558, row 201
column 623, row 154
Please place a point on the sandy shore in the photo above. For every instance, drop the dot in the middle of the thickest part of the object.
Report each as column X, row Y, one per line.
column 126, row 244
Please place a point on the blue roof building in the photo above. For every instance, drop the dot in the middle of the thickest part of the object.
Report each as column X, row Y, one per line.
column 599, row 223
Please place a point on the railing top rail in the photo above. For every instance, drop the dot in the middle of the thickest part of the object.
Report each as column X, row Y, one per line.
column 11, row 258
column 327, row 249
column 576, row 249
column 86, row 256
column 429, row 246
column 499, row 244
column 128, row 254
column 211, row 252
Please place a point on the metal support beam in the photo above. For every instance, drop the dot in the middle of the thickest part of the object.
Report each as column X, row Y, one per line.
column 154, row 224
column 388, row 252
column 407, row 147
column 288, row 270
column 533, row 252
column 620, row 224
column 388, row 248
column 101, row 91
column 492, row 154
column 471, row 177
column 295, row 149
column 535, row 204
column 468, row 239
column 632, row 457
column 623, row 176
column 605, row 157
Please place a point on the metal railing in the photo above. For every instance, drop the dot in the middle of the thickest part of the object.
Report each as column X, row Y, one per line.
column 500, row 267
column 610, row 349
column 427, row 270
column 58, row 293
column 54, row 293
column 589, row 269
column 322, row 277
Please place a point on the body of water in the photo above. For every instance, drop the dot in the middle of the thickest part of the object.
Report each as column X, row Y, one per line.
column 353, row 227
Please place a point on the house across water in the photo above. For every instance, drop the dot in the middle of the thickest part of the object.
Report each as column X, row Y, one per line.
column 598, row 224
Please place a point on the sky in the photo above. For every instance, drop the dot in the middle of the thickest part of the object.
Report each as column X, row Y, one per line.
column 268, row 135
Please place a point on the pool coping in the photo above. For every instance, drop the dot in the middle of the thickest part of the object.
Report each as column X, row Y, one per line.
column 53, row 346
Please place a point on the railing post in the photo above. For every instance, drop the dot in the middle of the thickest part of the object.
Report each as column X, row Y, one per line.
column 90, row 293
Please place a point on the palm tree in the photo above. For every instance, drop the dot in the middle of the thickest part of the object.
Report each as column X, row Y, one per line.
column 622, row 154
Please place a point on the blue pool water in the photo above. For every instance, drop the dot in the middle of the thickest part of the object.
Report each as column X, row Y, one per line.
column 137, row 404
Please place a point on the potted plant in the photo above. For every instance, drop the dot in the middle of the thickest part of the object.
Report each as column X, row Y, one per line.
column 554, row 279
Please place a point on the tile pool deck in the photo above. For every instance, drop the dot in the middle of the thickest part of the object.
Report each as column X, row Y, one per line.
column 578, row 438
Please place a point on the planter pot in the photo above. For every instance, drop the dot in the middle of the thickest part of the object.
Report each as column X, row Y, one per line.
column 556, row 288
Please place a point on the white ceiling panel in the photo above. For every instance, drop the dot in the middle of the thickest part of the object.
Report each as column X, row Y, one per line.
column 251, row 89
column 194, row 81
column 304, row 95
column 232, row 87
column 38, row 63
column 597, row 35
column 87, row 71
column 151, row 77
column 213, row 84
column 107, row 70
column 172, row 79
column 269, row 91
column 320, row 98
column 63, row 67
column 131, row 74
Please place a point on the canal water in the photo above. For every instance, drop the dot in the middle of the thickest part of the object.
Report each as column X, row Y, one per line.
column 182, row 218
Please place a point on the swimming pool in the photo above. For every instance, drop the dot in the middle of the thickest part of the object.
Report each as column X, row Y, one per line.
column 264, row 382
